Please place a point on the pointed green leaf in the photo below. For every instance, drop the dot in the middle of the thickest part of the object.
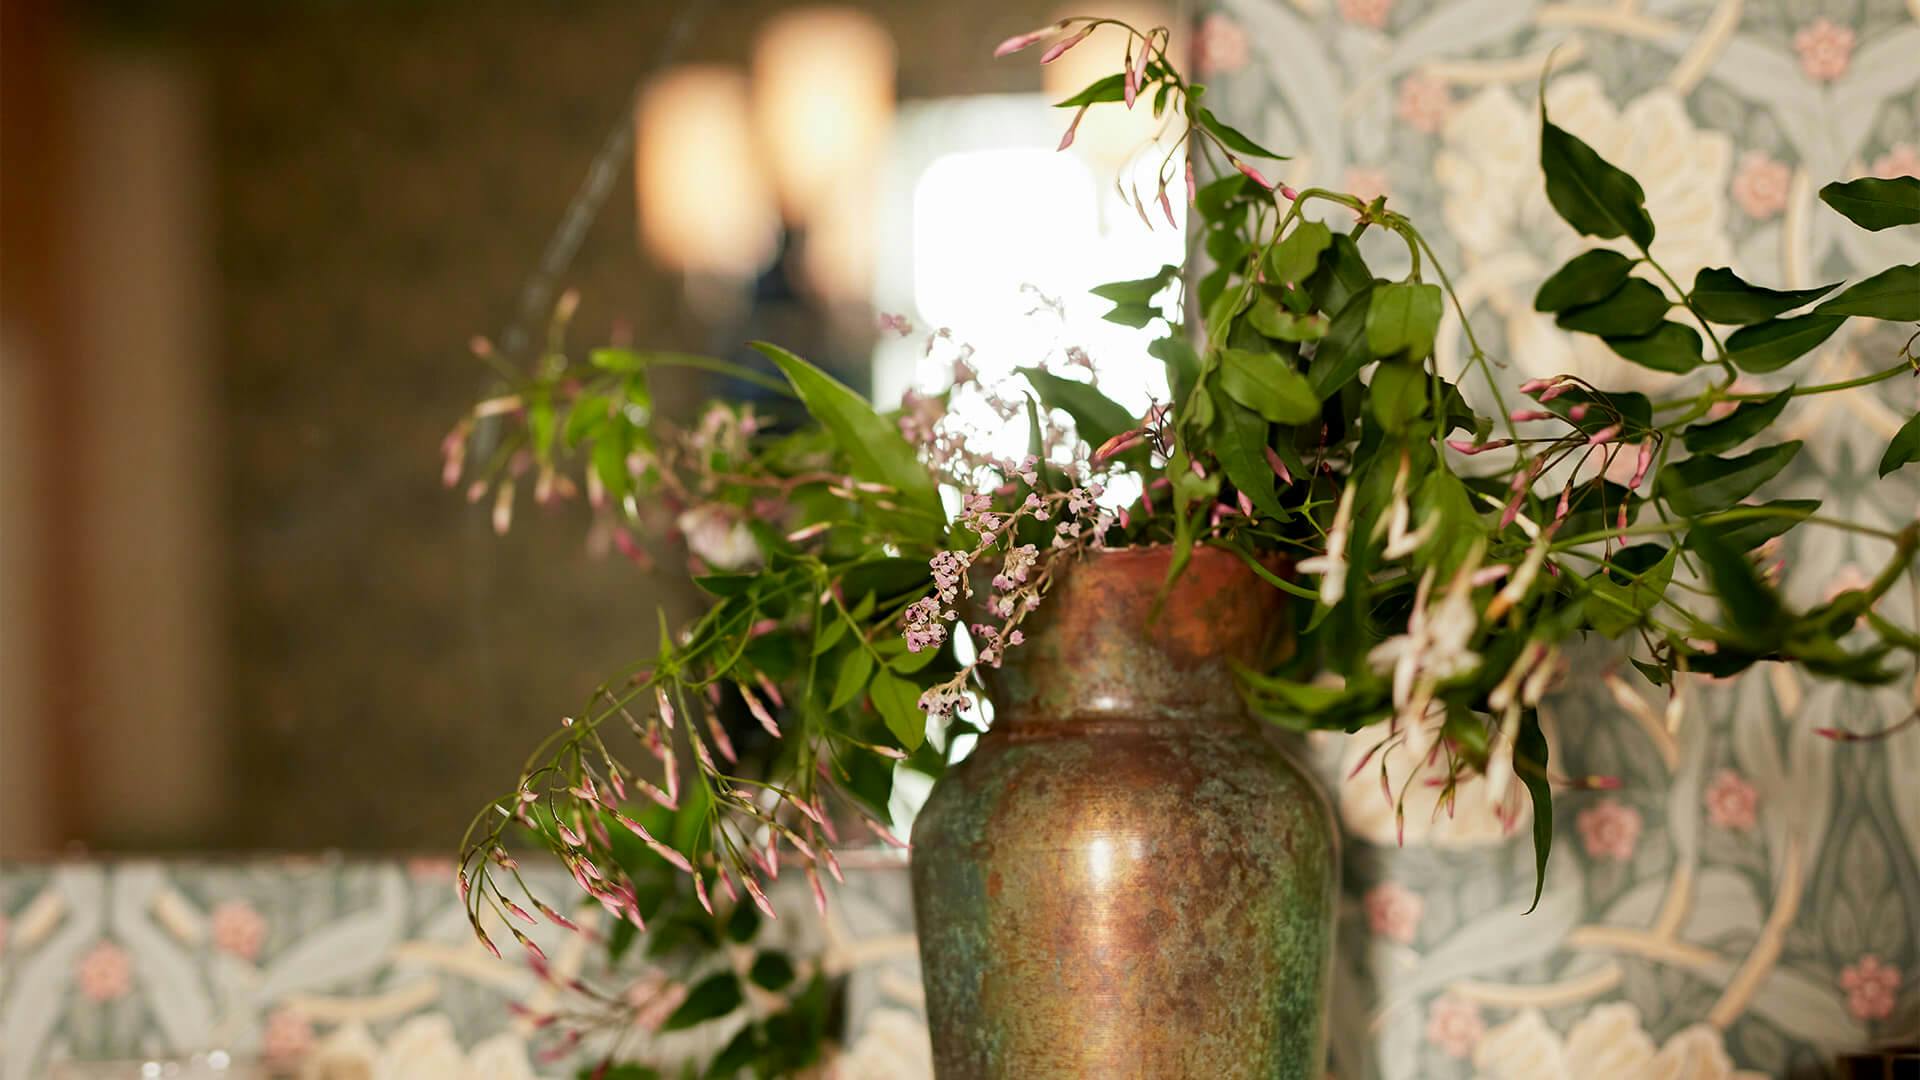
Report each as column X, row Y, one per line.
column 1591, row 194
column 1111, row 88
column 852, row 680
column 1635, row 308
column 1751, row 418
column 1343, row 352
column 1874, row 203
column 1587, row 278
column 1296, row 257
column 1231, row 138
column 1772, row 345
column 872, row 444
column 1267, row 384
column 1241, row 450
column 1267, row 316
column 1626, row 592
column 1673, row 347
column 714, row 997
column 1530, row 762
column 1137, row 291
column 899, row 704
column 1905, row 447
column 1097, row 416
column 1704, row 484
column 1342, row 275
column 1892, row 294
column 1782, row 514
column 1720, row 296
column 1404, row 317
column 1754, row 612
column 1398, row 394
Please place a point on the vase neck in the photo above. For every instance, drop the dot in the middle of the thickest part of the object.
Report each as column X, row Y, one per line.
column 1102, row 649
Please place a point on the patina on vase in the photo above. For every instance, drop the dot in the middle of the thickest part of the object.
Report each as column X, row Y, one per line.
column 1127, row 877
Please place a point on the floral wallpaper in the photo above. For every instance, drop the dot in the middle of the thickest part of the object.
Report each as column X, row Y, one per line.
column 328, row 969
column 1743, row 904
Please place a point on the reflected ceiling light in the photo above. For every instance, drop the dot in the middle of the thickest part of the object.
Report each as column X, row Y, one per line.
column 703, row 200
column 823, row 99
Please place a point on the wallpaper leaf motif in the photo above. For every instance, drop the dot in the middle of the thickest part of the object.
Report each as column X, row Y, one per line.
column 1747, row 889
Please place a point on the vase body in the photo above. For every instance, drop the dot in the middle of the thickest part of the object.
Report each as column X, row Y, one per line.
column 1127, row 878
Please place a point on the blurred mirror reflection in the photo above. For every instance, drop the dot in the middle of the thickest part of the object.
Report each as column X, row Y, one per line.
column 246, row 249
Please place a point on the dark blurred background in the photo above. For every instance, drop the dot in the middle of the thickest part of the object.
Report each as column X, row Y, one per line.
column 245, row 246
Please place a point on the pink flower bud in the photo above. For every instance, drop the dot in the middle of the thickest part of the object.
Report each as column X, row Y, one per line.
column 1288, row 193
column 1193, row 186
column 1471, row 448
column 1604, row 435
column 1578, row 412
column 1059, row 48
column 1021, row 42
column 1129, row 89
column 1522, row 416
column 805, row 533
column 1534, row 386
column 1250, row 172
column 1067, row 139
column 1640, row 466
column 1278, row 466
column 1166, row 207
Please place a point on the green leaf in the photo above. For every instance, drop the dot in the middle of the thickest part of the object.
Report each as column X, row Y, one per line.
column 1241, row 450
column 1673, row 347
column 1750, row 533
column 1134, row 315
column 1874, row 203
column 899, row 703
column 714, row 997
column 1530, row 762
column 1587, row 278
column 1267, row 316
column 1754, row 612
column 1231, row 138
column 1905, row 447
column 1591, row 194
column 1214, row 196
column 1705, row 484
column 1720, row 296
column 1296, row 257
column 1620, row 602
column 1772, row 345
column 1404, row 317
column 1343, row 352
column 771, row 971
column 1267, row 384
column 743, row 923
column 1635, row 308
column 1751, row 418
column 1342, row 275
column 1097, row 416
column 852, row 679
column 1892, row 294
column 588, row 413
column 871, row 443
column 1111, row 88
column 1181, row 360
column 1137, row 291
column 610, row 462
column 1398, row 394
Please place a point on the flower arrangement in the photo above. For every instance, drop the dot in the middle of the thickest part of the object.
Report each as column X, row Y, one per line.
column 1445, row 543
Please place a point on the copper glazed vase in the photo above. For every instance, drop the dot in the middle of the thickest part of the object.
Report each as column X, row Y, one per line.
column 1127, row 878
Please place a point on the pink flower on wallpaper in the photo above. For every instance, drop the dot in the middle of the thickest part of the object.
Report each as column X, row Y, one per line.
column 1901, row 159
column 104, row 973
column 1871, row 987
column 1393, row 911
column 1369, row 13
column 1609, row 830
column 1825, row 50
column 286, row 1038
column 1760, row 185
column 1366, row 184
column 1219, row 46
column 1423, row 102
column 1731, row 801
column 238, row 929
column 1454, row 1025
